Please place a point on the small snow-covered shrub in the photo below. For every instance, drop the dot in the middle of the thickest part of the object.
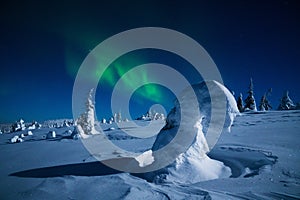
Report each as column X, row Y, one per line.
column 68, row 132
column 51, row 135
column 19, row 126
column 20, row 140
column 75, row 134
column 29, row 133
column 66, row 124
column 16, row 139
column 152, row 115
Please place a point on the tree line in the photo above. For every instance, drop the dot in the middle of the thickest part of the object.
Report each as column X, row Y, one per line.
column 249, row 104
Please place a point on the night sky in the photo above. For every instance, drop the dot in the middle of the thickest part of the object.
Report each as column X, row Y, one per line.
column 42, row 45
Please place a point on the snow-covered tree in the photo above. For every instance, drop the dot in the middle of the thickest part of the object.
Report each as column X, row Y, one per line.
column 86, row 122
column 34, row 125
column 264, row 102
column 240, row 104
column 19, row 126
column 250, row 103
column 66, row 124
column 286, row 103
column 75, row 134
column 51, row 135
column 115, row 117
column 119, row 117
column 16, row 139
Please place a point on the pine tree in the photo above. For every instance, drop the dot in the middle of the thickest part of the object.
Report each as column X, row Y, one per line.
column 240, row 104
column 286, row 103
column 250, row 103
column 264, row 102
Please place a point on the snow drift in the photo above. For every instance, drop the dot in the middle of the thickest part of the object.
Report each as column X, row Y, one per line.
column 193, row 165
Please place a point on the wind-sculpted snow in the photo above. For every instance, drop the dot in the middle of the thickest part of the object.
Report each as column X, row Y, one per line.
column 62, row 168
column 194, row 165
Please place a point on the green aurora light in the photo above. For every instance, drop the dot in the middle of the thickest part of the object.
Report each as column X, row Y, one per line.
column 115, row 72
column 148, row 91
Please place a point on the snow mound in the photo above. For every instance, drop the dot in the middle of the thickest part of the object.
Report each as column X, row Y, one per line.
column 29, row 133
column 194, row 165
column 16, row 139
column 51, row 135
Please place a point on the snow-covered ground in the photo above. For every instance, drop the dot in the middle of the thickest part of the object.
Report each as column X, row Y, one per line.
column 262, row 151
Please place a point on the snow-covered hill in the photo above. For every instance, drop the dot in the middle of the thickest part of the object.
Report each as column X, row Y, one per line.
column 262, row 151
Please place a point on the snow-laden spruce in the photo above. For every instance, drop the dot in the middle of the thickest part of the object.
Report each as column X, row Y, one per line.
column 85, row 124
column 286, row 102
column 250, row 103
column 194, row 165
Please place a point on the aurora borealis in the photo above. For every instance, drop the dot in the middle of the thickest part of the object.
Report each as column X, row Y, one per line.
column 44, row 43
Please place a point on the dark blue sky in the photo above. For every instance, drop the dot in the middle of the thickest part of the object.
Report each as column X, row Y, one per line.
column 43, row 44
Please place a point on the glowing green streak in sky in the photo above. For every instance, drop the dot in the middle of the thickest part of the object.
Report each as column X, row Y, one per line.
column 74, row 58
column 148, row 91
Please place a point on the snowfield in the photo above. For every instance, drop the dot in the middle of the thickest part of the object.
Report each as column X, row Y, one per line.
column 262, row 152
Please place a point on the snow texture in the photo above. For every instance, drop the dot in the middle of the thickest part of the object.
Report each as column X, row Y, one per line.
column 264, row 164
